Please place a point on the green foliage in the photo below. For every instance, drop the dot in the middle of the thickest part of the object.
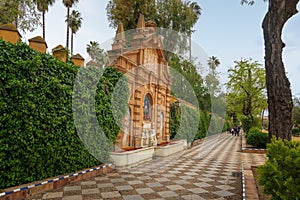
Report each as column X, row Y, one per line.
column 247, row 88
column 23, row 13
column 296, row 132
column 257, row 138
column 280, row 173
column 175, row 15
column 227, row 124
column 174, row 121
column 75, row 21
column 246, row 123
column 188, row 124
column 98, row 55
column 37, row 125
column 212, row 78
column 296, row 112
column 188, row 76
column 216, row 124
column 203, row 125
column 254, row 130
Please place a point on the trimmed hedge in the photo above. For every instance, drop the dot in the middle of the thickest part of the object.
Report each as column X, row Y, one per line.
column 203, row 125
column 187, row 131
column 279, row 176
column 257, row 138
column 38, row 138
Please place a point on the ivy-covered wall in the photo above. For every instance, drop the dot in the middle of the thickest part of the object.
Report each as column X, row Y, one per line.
column 38, row 138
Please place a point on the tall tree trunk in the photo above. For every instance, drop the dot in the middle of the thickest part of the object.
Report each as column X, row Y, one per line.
column 68, row 28
column 44, row 29
column 72, row 43
column 280, row 102
column 262, row 119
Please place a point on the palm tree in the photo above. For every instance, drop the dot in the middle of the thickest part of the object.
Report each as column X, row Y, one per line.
column 213, row 63
column 92, row 49
column 42, row 6
column 99, row 56
column 75, row 21
column 68, row 4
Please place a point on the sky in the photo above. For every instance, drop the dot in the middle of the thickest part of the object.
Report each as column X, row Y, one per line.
column 225, row 29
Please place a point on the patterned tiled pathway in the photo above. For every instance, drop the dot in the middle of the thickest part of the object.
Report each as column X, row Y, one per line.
column 210, row 170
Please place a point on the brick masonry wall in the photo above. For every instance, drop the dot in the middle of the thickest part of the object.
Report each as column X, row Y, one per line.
column 30, row 189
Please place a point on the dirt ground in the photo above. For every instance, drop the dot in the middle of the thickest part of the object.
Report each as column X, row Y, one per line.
column 261, row 194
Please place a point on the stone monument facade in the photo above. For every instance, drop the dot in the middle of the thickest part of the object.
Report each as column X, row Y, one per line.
column 144, row 63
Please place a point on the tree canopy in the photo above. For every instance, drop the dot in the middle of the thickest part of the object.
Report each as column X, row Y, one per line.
column 246, row 88
column 75, row 21
column 99, row 56
column 172, row 15
column 22, row 13
column 296, row 112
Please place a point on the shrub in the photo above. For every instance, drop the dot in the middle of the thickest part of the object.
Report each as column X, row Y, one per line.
column 38, row 138
column 253, row 130
column 246, row 123
column 280, row 174
column 257, row 138
column 227, row 124
column 296, row 132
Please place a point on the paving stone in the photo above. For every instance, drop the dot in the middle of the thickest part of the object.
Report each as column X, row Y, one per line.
column 174, row 172
column 127, row 176
column 72, row 188
column 186, row 177
column 144, row 190
column 52, row 195
column 124, row 187
column 191, row 173
column 103, row 185
column 206, row 179
column 165, row 194
column 144, row 177
column 162, row 179
column 134, row 182
column 133, row 197
column 90, row 191
column 169, row 175
column 110, row 194
column 209, row 175
column 197, row 190
column 225, row 187
column 117, row 180
column 154, row 184
column 88, row 183
column 202, row 184
column 175, row 187
column 76, row 197
column 182, row 182
column 223, row 193
column 192, row 197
